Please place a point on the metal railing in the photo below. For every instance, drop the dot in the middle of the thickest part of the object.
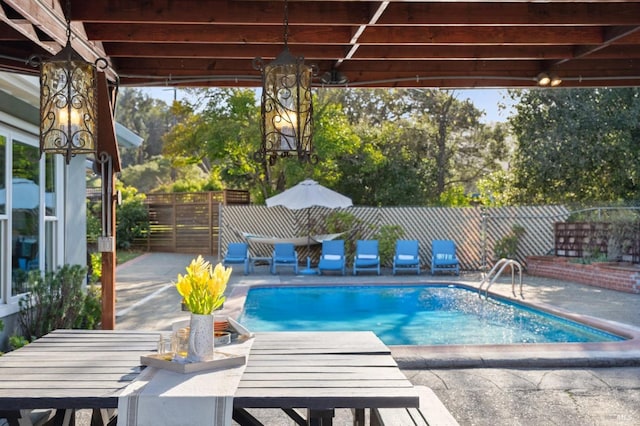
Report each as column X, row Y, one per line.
column 497, row 270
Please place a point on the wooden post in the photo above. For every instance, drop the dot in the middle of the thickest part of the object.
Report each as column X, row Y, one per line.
column 109, row 267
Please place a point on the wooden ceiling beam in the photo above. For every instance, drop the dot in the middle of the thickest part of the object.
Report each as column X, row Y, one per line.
column 215, row 41
column 359, row 12
column 182, row 33
column 222, row 12
column 405, row 68
column 49, row 18
column 511, row 13
column 533, row 35
column 224, row 51
column 397, row 52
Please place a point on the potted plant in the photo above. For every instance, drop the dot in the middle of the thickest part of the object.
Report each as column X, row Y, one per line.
column 202, row 290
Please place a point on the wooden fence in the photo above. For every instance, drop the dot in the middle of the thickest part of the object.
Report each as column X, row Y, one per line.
column 188, row 222
column 205, row 223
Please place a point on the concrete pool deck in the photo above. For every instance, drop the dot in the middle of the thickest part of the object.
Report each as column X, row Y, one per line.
column 572, row 390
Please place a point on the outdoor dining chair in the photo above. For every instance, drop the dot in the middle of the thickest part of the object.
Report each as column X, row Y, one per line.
column 237, row 254
column 284, row 254
column 367, row 257
column 443, row 257
column 406, row 256
column 332, row 257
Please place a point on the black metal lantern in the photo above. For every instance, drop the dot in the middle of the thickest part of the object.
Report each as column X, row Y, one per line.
column 286, row 106
column 68, row 103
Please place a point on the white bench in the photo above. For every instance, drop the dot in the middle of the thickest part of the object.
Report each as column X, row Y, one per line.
column 431, row 413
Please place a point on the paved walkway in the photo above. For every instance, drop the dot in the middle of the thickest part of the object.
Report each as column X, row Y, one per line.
column 607, row 396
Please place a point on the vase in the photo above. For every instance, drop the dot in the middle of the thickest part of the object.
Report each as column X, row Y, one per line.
column 200, row 338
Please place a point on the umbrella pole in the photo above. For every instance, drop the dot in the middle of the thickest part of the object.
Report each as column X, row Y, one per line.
column 308, row 270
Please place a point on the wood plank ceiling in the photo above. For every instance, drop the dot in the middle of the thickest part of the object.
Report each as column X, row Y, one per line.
column 448, row 44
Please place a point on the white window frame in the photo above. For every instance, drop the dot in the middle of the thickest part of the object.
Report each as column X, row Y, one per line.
column 14, row 129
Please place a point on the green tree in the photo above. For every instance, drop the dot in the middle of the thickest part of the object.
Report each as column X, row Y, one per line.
column 148, row 117
column 219, row 132
column 576, row 145
column 380, row 147
column 421, row 144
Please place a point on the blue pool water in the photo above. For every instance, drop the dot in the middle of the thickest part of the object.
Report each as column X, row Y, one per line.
column 411, row 315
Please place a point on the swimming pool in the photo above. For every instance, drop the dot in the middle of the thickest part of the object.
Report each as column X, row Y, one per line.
column 411, row 315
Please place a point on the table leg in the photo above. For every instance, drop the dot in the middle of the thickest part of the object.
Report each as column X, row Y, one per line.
column 64, row 418
column 243, row 418
column 11, row 417
column 358, row 417
column 103, row 417
column 320, row 417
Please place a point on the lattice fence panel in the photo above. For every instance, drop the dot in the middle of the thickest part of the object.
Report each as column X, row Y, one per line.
column 462, row 225
column 538, row 222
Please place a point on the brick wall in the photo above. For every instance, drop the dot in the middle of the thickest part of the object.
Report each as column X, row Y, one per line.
column 625, row 278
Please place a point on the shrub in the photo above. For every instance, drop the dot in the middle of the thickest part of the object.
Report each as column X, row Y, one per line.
column 623, row 232
column 96, row 267
column 94, row 227
column 16, row 342
column 387, row 237
column 507, row 246
column 57, row 300
column 132, row 218
column 343, row 221
column 91, row 313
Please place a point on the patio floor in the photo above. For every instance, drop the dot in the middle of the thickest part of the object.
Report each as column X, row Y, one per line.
column 522, row 395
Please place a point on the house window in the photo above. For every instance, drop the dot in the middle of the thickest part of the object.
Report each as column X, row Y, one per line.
column 51, row 184
column 30, row 206
column 25, row 214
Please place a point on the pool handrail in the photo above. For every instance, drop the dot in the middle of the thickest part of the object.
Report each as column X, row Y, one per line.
column 502, row 264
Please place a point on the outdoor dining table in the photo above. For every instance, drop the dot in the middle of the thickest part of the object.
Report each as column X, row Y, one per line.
column 313, row 371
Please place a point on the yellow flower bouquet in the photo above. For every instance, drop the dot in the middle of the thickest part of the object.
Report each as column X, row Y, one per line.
column 202, row 288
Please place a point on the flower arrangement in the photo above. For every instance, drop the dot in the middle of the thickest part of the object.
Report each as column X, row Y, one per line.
column 203, row 287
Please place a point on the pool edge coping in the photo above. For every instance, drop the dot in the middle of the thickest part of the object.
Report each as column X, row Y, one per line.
column 541, row 355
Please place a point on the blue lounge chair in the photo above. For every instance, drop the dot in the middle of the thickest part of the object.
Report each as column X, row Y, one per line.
column 237, row 253
column 367, row 257
column 443, row 257
column 332, row 258
column 406, row 256
column 284, row 254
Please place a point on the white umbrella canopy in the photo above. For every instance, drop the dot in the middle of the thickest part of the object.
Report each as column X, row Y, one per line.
column 305, row 195
column 26, row 194
column 309, row 193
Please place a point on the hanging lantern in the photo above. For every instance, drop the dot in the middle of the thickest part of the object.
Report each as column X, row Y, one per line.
column 286, row 106
column 68, row 103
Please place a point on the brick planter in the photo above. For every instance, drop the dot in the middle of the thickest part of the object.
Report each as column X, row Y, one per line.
column 613, row 276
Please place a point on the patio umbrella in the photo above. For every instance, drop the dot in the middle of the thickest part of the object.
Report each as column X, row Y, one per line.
column 305, row 195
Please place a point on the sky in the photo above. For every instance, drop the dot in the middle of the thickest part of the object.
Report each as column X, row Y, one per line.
column 486, row 100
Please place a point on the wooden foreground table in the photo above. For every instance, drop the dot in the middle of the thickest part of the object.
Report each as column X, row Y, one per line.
column 321, row 371
column 317, row 371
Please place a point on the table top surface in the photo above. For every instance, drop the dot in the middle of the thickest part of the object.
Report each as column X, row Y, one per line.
column 321, row 370
column 316, row 370
column 73, row 369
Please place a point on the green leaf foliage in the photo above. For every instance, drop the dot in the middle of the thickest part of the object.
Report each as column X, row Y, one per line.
column 387, row 237
column 382, row 147
column 58, row 300
column 132, row 218
column 576, row 145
